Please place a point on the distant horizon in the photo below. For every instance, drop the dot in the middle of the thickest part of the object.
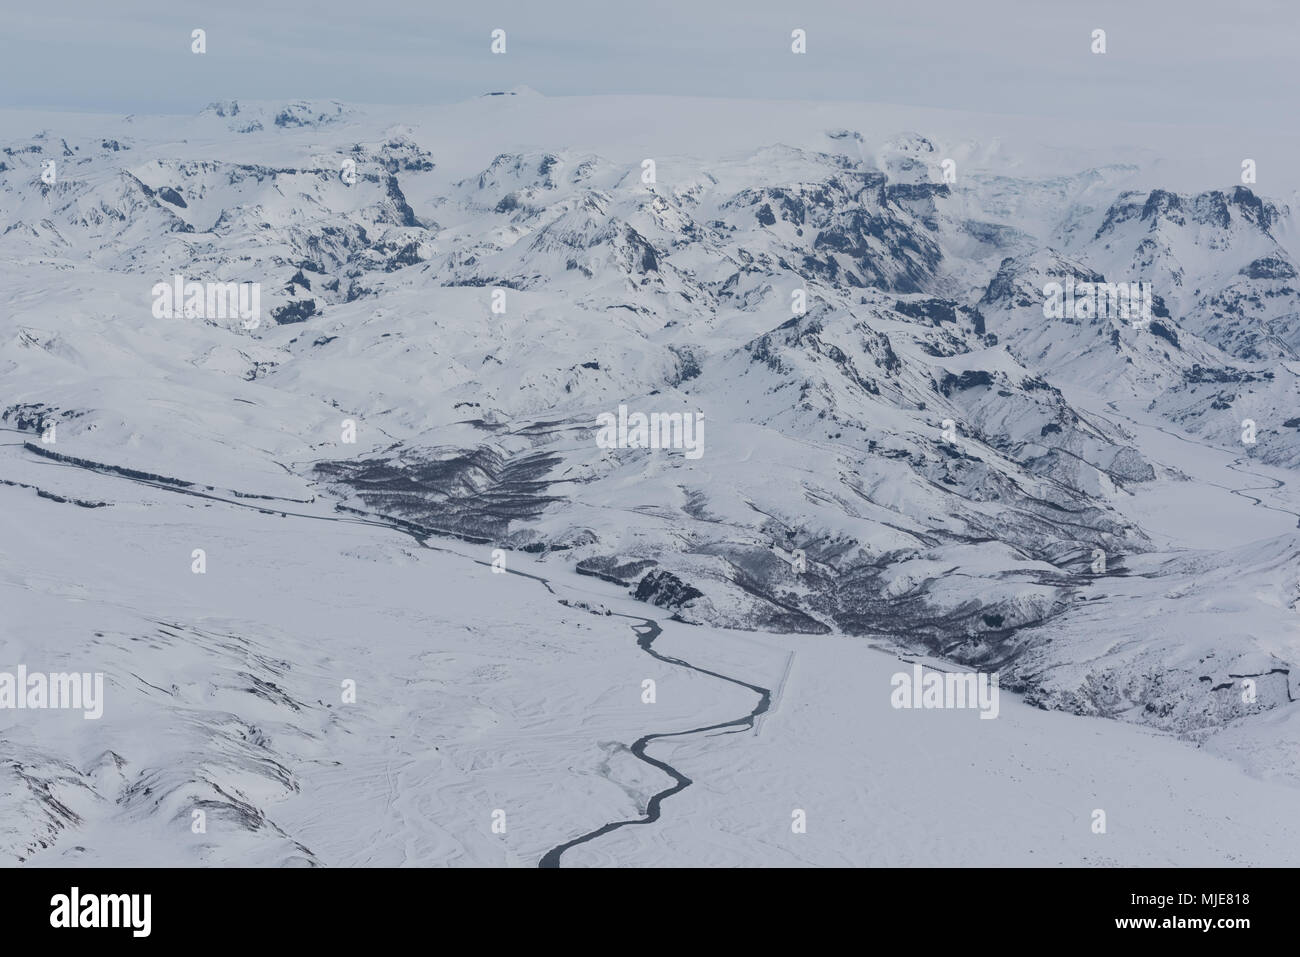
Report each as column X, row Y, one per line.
column 1009, row 57
column 1163, row 154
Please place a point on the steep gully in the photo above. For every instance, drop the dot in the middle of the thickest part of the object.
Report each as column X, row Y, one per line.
column 646, row 631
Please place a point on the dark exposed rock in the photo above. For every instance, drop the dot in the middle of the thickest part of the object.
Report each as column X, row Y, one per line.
column 665, row 589
column 1166, row 332
column 475, row 492
column 1199, row 373
column 613, row 569
column 299, row 310
column 935, row 310
column 406, row 215
column 1270, row 267
column 169, row 195
column 100, row 467
column 970, row 379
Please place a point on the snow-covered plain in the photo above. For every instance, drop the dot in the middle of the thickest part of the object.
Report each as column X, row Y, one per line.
column 489, row 699
column 479, row 692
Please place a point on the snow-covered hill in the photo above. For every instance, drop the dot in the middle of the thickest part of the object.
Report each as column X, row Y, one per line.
column 1100, row 510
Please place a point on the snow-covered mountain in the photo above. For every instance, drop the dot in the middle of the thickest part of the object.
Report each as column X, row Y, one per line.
column 1099, row 510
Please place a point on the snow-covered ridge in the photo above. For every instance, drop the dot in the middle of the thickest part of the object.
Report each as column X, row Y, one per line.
column 861, row 326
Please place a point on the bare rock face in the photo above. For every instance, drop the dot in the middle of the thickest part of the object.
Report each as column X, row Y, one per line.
column 666, row 590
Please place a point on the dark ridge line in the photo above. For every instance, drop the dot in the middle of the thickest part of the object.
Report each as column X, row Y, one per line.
column 136, row 475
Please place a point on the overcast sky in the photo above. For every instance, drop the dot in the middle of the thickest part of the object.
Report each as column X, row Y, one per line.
column 1168, row 60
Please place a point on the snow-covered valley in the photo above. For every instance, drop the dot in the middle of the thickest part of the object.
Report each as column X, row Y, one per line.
column 450, row 300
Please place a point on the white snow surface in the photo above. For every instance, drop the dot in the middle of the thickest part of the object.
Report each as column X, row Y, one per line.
column 478, row 693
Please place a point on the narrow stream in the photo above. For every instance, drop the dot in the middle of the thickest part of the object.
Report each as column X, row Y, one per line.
column 647, row 632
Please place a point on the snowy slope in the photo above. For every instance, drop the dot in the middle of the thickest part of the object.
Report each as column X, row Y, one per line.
column 879, row 386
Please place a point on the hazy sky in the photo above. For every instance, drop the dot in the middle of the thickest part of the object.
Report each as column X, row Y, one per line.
column 1167, row 60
